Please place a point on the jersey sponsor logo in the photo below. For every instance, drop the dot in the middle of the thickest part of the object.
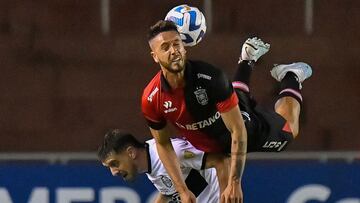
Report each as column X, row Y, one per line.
column 170, row 110
column 166, row 181
column 201, row 96
column 188, row 154
column 246, row 116
column 168, row 105
column 201, row 124
column 274, row 145
column 152, row 94
column 200, row 75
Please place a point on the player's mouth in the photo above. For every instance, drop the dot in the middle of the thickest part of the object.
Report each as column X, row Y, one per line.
column 176, row 59
column 122, row 174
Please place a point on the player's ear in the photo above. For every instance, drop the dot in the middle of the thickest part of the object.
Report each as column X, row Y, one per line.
column 131, row 151
column 154, row 57
column 184, row 51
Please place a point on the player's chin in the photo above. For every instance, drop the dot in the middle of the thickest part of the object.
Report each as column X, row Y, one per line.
column 129, row 178
column 176, row 67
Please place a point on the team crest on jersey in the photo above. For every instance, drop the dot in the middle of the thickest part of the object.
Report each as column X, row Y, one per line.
column 201, row 96
column 167, row 181
column 188, row 154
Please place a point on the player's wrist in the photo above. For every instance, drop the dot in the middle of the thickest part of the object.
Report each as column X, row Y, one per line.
column 234, row 181
column 182, row 189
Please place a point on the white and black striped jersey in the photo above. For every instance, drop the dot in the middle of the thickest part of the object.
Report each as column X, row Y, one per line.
column 203, row 183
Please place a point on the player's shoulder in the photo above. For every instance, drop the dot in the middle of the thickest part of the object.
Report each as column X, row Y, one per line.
column 205, row 70
column 155, row 81
column 202, row 65
column 179, row 144
column 150, row 142
column 151, row 147
column 155, row 162
column 152, row 87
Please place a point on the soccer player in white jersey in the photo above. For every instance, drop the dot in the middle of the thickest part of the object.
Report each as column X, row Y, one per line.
column 126, row 157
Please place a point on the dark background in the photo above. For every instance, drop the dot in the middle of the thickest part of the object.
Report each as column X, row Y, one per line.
column 63, row 82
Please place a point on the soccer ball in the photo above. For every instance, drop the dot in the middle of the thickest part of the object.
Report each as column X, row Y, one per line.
column 190, row 22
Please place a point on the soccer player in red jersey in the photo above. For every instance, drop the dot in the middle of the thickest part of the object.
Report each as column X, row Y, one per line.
column 201, row 103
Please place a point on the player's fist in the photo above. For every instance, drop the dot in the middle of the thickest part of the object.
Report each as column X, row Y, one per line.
column 232, row 193
column 187, row 197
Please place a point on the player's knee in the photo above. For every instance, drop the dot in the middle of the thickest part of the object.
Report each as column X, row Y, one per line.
column 294, row 129
column 291, row 126
column 295, row 132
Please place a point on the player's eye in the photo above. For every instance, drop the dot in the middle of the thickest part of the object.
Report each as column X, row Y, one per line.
column 165, row 47
column 113, row 164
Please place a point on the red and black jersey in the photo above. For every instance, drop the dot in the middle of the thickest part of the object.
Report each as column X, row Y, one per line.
column 195, row 109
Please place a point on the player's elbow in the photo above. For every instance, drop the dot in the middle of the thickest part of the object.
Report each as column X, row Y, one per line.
column 239, row 134
column 214, row 160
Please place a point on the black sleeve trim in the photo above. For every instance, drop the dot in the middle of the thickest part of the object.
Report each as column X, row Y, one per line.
column 155, row 125
column 148, row 158
column 203, row 163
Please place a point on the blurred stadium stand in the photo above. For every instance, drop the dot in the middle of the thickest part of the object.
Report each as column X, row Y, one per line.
column 63, row 82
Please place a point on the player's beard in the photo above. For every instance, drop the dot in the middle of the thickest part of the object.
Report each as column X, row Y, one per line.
column 174, row 66
column 131, row 173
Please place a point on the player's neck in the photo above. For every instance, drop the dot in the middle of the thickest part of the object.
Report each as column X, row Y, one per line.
column 175, row 80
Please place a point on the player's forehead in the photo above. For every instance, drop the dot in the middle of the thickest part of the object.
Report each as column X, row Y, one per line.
column 110, row 158
column 165, row 37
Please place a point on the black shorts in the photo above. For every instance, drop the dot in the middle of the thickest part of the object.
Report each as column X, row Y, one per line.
column 266, row 129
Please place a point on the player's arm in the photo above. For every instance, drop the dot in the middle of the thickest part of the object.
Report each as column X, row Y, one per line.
column 227, row 105
column 234, row 123
column 161, row 134
column 170, row 161
column 160, row 198
column 221, row 163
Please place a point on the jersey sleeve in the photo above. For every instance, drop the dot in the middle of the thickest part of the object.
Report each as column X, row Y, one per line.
column 224, row 93
column 154, row 118
column 228, row 104
column 188, row 155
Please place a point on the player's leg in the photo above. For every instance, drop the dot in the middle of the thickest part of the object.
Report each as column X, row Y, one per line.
column 251, row 51
column 289, row 100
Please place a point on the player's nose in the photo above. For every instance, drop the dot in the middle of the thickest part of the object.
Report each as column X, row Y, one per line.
column 173, row 49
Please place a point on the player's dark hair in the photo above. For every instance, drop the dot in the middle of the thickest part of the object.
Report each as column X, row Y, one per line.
column 115, row 141
column 161, row 26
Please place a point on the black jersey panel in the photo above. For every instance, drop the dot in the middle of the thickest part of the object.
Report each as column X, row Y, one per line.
column 222, row 87
column 206, row 86
column 195, row 182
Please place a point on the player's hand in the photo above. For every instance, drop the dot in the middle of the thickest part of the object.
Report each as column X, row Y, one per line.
column 232, row 193
column 187, row 197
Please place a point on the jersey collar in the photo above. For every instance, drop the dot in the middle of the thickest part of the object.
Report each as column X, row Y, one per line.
column 164, row 83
